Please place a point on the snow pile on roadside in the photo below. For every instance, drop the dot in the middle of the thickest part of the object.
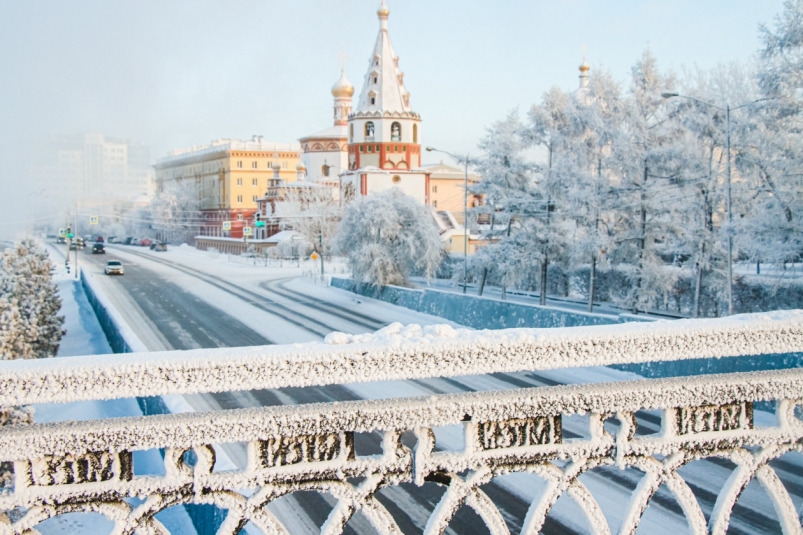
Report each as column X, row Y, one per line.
column 396, row 332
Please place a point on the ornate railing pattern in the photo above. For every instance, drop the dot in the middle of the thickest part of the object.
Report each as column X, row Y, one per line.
column 87, row 466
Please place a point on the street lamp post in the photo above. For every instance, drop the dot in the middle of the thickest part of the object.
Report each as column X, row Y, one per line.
column 727, row 109
column 465, row 214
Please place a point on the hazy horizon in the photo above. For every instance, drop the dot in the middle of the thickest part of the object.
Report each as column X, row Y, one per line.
column 176, row 74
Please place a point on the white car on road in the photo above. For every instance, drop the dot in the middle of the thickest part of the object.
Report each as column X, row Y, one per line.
column 113, row 267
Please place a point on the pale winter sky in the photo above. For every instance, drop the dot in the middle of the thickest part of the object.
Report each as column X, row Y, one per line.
column 174, row 73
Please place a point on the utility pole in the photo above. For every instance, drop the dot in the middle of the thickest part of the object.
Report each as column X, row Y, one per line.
column 465, row 227
column 730, row 211
column 76, row 241
column 465, row 213
column 320, row 247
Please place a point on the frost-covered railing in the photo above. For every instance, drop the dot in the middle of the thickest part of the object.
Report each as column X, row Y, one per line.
column 87, row 466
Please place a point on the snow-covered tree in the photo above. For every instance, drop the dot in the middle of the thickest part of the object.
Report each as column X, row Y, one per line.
column 311, row 210
column 646, row 182
column 175, row 211
column 770, row 226
column 30, row 326
column 387, row 237
column 29, row 304
column 507, row 176
column 599, row 111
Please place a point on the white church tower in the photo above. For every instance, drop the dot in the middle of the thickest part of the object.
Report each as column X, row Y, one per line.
column 384, row 133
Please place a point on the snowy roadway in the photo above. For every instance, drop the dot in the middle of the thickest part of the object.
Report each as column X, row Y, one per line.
column 187, row 299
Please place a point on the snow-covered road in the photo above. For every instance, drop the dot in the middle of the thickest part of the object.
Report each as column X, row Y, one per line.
column 185, row 299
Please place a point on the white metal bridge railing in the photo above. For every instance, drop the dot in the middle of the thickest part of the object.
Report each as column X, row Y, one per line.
column 87, row 466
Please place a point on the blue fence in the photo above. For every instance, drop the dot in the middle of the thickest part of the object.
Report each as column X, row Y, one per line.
column 485, row 313
column 475, row 312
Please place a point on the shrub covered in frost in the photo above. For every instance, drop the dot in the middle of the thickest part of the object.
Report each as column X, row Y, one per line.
column 388, row 236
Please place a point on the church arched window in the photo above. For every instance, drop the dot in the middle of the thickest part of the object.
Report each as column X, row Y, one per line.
column 395, row 132
column 369, row 130
column 415, row 133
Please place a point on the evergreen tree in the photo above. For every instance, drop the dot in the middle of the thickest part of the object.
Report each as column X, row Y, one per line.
column 29, row 304
column 29, row 323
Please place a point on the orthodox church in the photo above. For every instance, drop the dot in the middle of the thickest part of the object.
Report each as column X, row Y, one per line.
column 377, row 145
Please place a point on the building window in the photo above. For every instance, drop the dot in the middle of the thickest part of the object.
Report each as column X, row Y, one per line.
column 396, row 179
column 239, row 164
column 239, row 198
column 395, row 132
column 369, row 128
column 415, row 133
column 239, row 181
column 396, row 148
column 362, row 148
column 388, row 149
column 373, row 101
column 253, row 165
column 434, row 189
column 434, row 204
column 254, row 181
column 377, row 148
column 254, row 198
column 239, row 216
column 284, row 165
column 404, row 149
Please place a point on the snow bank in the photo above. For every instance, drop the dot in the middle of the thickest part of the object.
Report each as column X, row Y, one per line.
column 120, row 336
column 395, row 353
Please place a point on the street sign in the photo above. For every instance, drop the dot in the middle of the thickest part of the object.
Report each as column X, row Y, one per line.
column 247, row 231
column 93, row 220
column 260, row 223
column 314, row 256
column 227, row 225
column 62, row 232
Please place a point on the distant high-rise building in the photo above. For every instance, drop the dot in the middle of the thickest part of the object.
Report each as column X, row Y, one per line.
column 92, row 164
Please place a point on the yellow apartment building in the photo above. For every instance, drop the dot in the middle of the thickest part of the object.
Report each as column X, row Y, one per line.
column 229, row 176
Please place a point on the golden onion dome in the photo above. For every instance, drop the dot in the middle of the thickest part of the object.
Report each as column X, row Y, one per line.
column 342, row 87
column 585, row 67
column 383, row 10
column 301, row 167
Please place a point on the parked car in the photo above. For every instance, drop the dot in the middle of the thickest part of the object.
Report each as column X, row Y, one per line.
column 114, row 267
column 113, row 239
column 145, row 242
column 134, row 241
column 99, row 239
column 98, row 248
column 159, row 246
column 127, row 241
